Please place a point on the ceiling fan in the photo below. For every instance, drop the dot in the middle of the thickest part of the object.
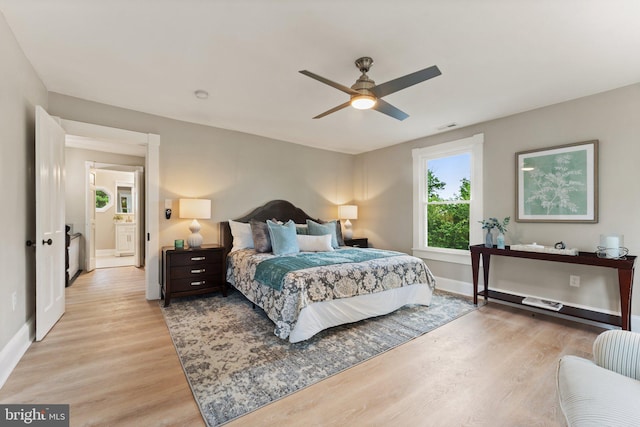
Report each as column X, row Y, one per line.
column 366, row 94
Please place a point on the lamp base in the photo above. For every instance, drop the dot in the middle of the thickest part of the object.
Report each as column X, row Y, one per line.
column 195, row 239
column 348, row 231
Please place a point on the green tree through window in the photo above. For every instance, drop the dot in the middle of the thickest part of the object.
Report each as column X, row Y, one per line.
column 102, row 199
column 447, row 218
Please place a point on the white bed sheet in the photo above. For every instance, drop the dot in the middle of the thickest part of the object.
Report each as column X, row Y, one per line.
column 326, row 314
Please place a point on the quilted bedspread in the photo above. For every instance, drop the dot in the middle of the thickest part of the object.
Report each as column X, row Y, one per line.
column 301, row 288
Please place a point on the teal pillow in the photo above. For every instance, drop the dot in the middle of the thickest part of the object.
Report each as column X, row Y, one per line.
column 316, row 229
column 283, row 237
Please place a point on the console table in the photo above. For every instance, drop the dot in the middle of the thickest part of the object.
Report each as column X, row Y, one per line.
column 625, row 268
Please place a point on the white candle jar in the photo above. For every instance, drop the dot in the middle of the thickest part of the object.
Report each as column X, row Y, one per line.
column 612, row 245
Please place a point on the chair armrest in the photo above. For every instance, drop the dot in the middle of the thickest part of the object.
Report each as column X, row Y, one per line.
column 618, row 351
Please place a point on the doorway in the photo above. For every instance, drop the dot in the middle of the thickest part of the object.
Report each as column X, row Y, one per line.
column 119, row 210
column 120, row 141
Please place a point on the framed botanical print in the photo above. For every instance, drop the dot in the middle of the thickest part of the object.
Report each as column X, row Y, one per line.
column 558, row 184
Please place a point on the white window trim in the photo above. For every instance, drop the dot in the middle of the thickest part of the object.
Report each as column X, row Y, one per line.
column 420, row 157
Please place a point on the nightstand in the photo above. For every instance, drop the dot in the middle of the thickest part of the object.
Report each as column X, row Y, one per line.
column 358, row 242
column 192, row 271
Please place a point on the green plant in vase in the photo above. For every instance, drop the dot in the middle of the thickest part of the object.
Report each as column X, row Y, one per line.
column 501, row 226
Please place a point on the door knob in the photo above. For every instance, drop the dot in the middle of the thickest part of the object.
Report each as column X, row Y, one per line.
column 47, row 242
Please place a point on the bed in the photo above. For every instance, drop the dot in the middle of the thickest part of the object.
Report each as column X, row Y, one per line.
column 322, row 296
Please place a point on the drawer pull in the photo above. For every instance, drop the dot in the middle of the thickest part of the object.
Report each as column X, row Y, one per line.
column 202, row 270
column 202, row 282
column 198, row 258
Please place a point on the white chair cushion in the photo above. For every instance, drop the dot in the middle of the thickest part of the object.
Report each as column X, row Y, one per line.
column 594, row 396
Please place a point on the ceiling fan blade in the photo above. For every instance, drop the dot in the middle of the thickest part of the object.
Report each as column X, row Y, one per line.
column 333, row 110
column 338, row 86
column 403, row 82
column 388, row 109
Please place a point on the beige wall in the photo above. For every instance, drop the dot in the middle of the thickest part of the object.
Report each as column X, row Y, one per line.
column 237, row 171
column 383, row 190
column 21, row 90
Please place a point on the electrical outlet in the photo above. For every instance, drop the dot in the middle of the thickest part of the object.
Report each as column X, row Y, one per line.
column 14, row 301
column 574, row 281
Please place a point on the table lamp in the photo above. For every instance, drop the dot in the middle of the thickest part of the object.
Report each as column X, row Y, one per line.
column 348, row 212
column 196, row 209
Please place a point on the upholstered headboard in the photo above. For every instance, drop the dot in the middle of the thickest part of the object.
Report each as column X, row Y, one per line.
column 278, row 209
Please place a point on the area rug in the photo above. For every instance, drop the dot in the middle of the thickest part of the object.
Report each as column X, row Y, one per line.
column 235, row 364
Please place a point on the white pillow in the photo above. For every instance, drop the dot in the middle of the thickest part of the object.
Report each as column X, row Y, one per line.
column 314, row 243
column 242, row 237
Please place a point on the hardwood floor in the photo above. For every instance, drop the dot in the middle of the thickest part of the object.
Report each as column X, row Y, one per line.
column 111, row 358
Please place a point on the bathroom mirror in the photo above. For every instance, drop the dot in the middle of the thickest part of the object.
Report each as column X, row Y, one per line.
column 124, row 194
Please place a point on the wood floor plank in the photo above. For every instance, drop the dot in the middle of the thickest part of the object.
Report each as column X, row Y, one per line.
column 111, row 358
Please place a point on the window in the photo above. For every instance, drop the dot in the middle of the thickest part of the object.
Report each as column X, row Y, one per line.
column 104, row 199
column 447, row 199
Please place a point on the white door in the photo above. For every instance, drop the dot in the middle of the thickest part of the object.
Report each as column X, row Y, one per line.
column 137, row 206
column 50, row 229
column 90, row 221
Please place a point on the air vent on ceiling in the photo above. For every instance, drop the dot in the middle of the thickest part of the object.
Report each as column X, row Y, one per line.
column 448, row 126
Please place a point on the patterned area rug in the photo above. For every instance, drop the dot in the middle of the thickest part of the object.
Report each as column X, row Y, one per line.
column 235, row 364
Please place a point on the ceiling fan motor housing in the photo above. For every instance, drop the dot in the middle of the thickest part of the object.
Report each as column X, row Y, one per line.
column 364, row 83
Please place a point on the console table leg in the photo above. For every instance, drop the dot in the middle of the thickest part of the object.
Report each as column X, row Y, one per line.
column 625, row 281
column 486, row 258
column 475, row 266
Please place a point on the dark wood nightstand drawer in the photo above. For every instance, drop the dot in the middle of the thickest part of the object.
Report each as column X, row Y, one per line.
column 195, row 283
column 196, row 271
column 196, row 257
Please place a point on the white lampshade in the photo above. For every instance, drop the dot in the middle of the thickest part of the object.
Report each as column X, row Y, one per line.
column 196, row 209
column 348, row 212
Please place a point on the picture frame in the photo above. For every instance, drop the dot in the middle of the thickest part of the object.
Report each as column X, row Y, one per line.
column 558, row 184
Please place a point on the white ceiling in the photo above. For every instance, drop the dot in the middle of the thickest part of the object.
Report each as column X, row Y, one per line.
column 497, row 57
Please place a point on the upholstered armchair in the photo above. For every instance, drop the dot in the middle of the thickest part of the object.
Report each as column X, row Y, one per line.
column 606, row 391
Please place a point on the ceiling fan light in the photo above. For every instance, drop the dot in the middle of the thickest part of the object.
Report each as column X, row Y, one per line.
column 363, row 102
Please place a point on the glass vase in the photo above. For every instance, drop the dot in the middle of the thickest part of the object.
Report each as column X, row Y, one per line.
column 488, row 239
column 500, row 241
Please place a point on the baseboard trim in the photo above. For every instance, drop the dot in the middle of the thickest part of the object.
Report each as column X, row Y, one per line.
column 454, row 286
column 15, row 349
column 465, row 288
column 105, row 252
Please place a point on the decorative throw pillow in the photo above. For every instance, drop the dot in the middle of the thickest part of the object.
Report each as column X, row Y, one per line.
column 339, row 237
column 242, row 238
column 260, row 233
column 339, row 233
column 302, row 229
column 314, row 243
column 283, row 238
column 316, row 229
